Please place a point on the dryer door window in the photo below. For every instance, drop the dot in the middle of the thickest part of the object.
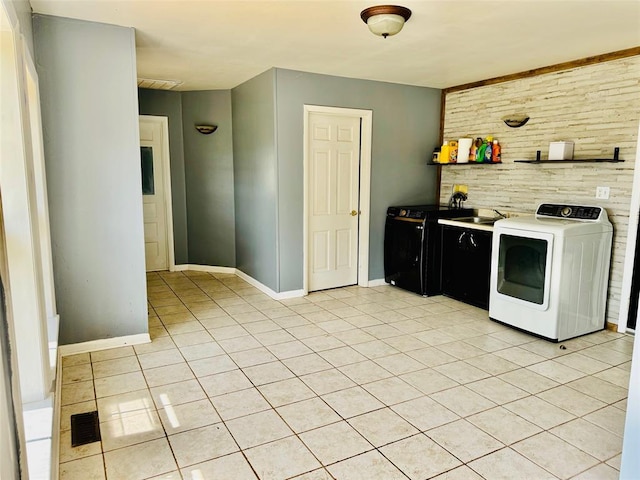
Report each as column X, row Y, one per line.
column 524, row 268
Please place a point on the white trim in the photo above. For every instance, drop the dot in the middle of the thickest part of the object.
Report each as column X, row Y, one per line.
column 104, row 344
column 305, row 201
column 41, row 207
column 366, row 135
column 166, row 180
column 630, row 461
column 267, row 290
column 55, row 429
column 53, row 330
column 206, row 268
column 632, row 233
column 38, row 418
column 234, row 271
column 10, row 27
column 289, row 294
column 20, row 219
column 10, row 17
column 185, row 267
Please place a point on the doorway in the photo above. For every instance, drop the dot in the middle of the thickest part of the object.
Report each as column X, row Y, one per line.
column 632, row 315
column 337, row 176
column 629, row 297
column 156, row 193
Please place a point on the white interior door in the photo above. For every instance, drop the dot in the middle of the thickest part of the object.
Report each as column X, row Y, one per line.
column 154, row 195
column 334, row 147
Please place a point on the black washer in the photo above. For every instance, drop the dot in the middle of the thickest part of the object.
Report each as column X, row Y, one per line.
column 412, row 246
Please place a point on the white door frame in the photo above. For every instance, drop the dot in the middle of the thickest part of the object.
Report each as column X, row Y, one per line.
column 22, row 241
column 165, row 161
column 632, row 234
column 32, row 86
column 366, row 117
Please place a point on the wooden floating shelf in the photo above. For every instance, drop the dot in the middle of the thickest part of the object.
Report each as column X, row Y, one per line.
column 615, row 159
column 463, row 164
column 586, row 160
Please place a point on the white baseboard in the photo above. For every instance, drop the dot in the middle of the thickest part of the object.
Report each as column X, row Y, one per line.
column 94, row 345
column 290, row 294
column 378, row 282
column 204, row 268
column 263, row 288
column 267, row 290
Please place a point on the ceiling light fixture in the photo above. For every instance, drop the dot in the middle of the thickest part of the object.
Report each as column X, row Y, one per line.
column 385, row 20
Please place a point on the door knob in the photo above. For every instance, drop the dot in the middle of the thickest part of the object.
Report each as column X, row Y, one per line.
column 353, row 213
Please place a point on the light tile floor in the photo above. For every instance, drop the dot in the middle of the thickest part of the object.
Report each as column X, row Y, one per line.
column 352, row 383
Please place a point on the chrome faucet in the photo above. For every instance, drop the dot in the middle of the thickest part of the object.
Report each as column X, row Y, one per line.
column 456, row 200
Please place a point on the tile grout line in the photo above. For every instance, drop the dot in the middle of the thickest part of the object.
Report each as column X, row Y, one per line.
column 373, row 360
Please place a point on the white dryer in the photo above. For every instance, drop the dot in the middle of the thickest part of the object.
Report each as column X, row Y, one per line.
column 550, row 272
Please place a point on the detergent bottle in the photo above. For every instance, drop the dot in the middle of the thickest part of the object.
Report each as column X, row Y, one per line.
column 496, row 152
column 453, row 152
column 473, row 152
column 445, row 153
column 488, row 150
column 481, row 152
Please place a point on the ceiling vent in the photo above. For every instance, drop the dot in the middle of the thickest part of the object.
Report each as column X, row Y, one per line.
column 158, row 84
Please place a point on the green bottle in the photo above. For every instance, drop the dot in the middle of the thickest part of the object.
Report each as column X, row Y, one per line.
column 481, row 152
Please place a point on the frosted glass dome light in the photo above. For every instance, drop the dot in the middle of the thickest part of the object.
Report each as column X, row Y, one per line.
column 385, row 20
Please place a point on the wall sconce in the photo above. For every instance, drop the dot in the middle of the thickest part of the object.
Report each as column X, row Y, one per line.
column 206, row 129
column 515, row 121
column 385, row 20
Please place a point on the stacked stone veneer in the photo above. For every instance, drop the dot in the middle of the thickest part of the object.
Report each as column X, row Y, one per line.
column 597, row 107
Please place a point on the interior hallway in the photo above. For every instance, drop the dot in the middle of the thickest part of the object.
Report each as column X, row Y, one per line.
column 352, row 383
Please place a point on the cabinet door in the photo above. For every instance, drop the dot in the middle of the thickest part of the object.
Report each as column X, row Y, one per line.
column 466, row 265
column 479, row 257
column 454, row 261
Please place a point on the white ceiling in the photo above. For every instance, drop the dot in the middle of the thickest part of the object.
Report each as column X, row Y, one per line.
column 216, row 44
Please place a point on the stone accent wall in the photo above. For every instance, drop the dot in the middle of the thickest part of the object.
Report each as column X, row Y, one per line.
column 596, row 106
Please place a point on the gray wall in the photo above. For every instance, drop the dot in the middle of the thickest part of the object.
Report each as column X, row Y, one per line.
column 169, row 104
column 209, row 178
column 406, row 122
column 87, row 76
column 255, row 178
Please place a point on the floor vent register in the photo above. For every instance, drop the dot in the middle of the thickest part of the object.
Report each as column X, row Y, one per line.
column 85, row 428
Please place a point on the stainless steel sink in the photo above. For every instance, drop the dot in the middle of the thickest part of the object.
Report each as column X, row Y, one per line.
column 478, row 220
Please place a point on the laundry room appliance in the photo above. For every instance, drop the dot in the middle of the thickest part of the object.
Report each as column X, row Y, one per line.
column 412, row 246
column 550, row 272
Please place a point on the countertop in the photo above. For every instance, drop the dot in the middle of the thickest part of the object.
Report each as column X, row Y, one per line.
column 481, row 212
column 474, row 226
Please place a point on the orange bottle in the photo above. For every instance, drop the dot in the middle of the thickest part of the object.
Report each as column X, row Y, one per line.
column 496, row 152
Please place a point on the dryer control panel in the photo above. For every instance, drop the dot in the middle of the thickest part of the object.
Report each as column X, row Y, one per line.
column 571, row 212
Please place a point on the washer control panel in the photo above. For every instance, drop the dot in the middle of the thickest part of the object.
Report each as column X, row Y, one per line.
column 406, row 213
column 571, row 212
